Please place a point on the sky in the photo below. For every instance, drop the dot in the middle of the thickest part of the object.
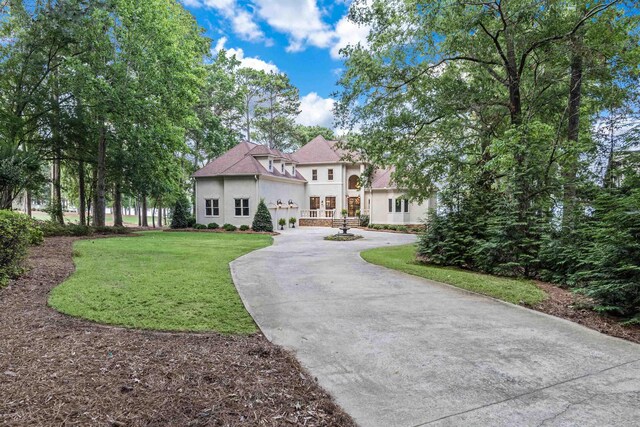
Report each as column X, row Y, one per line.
column 301, row 38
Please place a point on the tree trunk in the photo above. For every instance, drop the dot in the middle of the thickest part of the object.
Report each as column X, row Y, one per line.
column 153, row 214
column 100, row 203
column 145, row 221
column 94, row 196
column 81, row 194
column 570, row 170
column 117, row 207
column 160, row 213
column 56, row 196
column 28, row 203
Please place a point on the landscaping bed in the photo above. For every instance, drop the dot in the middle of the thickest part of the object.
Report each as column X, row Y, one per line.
column 343, row 238
column 60, row 370
column 218, row 230
column 536, row 295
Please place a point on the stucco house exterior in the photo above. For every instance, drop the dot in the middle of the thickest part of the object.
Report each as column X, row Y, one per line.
column 313, row 184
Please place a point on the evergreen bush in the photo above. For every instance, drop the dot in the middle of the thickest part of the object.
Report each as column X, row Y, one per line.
column 262, row 220
column 212, row 226
column 181, row 215
column 18, row 231
column 229, row 227
column 244, row 227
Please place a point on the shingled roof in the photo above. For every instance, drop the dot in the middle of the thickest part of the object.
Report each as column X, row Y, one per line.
column 318, row 150
column 240, row 160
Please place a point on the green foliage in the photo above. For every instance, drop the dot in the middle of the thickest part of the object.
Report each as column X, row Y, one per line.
column 364, row 220
column 18, row 232
column 229, row 227
column 303, row 134
column 199, row 226
column 282, row 222
column 244, row 227
column 293, row 221
column 181, row 215
column 262, row 220
column 51, row 228
column 212, row 226
column 343, row 238
column 162, row 281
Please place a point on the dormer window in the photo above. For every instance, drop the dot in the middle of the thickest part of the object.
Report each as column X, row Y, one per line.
column 293, row 170
column 270, row 165
column 282, row 168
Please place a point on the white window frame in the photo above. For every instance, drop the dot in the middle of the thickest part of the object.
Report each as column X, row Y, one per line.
column 242, row 207
column 314, row 174
column 270, row 165
column 330, row 174
column 213, row 208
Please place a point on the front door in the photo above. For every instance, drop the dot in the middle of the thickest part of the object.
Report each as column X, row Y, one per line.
column 353, row 206
column 314, row 204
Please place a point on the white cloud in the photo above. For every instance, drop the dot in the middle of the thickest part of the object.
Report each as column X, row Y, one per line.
column 248, row 62
column 241, row 20
column 316, row 111
column 348, row 33
column 301, row 20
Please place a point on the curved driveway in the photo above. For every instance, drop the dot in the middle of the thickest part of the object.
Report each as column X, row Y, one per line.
column 397, row 350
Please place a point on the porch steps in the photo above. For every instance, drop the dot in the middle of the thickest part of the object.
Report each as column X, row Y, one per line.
column 351, row 222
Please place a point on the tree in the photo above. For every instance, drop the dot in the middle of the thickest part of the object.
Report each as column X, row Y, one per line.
column 275, row 112
column 303, row 134
column 262, row 220
column 181, row 216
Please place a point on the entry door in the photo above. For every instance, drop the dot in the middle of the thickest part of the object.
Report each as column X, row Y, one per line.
column 353, row 206
column 314, row 205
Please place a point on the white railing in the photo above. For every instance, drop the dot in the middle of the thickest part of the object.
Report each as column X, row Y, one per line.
column 317, row 213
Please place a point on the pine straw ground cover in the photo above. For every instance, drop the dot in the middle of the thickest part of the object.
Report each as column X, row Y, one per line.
column 58, row 370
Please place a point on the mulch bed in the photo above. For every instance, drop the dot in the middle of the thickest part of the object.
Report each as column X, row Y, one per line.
column 577, row 308
column 218, row 230
column 58, row 370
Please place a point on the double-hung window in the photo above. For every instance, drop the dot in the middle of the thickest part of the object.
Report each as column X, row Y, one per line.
column 398, row 205
column 314, row 174
column 390, row 205
column 406, row 205
column 330, row 174
column 242, row 207
column 211, row 207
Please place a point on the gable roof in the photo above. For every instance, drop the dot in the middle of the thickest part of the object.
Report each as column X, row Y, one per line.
column 382, row 178
column 240, row 160
column 318, row 150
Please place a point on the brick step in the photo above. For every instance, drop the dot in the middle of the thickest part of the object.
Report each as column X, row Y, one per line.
column 351, row 222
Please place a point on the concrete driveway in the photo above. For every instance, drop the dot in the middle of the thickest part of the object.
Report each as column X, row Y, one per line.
column 397, row 350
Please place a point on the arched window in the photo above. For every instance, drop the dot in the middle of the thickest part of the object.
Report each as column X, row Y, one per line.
column 354, row 182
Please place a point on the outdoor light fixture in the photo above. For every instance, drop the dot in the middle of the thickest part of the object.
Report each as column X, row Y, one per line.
column 290, row 203
column 279, row 203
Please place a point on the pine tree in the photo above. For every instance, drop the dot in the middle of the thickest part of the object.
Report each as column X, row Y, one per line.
column 262, row 220
column 181, row 214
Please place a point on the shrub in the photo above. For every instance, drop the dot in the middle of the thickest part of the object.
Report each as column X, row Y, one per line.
column 262, row 220
column 111, row 230
column 18, row 231
column 376, row 227
column 212, row 226
column 78, row 230
column 384, row 226
column 364, row 220
column 181, row 215
column 402, row 228
column 244, row 227
column 293, row 221
column 282, row 222
column 200, row 226
column 344, row 213
column 229, row 227
column 391, row 227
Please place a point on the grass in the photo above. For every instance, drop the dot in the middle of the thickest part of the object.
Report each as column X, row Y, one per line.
column 403, row 258
column 74, row 217
column 161, row 281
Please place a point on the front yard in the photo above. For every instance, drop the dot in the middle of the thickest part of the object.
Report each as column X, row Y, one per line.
column 161, row 281
column 403, row 258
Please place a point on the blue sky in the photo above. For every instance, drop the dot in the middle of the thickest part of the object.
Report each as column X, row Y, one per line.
column 298, row 37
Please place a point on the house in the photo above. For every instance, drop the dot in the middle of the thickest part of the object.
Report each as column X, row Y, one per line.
column 313, row 184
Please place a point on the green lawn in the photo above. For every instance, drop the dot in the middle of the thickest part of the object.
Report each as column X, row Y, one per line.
column 163, row 281
column 403, row 258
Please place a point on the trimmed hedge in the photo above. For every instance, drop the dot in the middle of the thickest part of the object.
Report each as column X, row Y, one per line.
column 229, row 227
column 244, row 228
column 212, row 226
column 18, row 232
column 262, row 220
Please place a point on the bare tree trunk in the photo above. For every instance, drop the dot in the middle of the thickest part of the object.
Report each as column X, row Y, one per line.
column 160, row 213
column 153, row 214
column 145, row 221
column 117, row 207
column 100, row 203
column 570, row 170
column 81, row 194
column 56, row 195
column 28, row 203
column 94, row 196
